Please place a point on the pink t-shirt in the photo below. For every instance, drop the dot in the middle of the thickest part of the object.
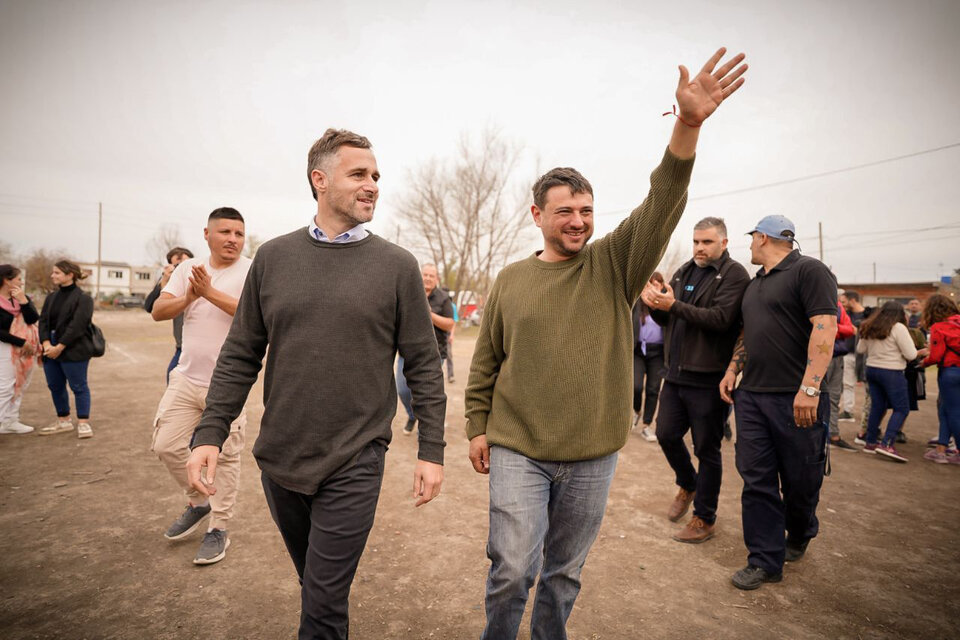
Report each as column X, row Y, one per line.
column 205, row 325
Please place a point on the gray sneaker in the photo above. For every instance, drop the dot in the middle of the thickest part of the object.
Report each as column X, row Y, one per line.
column 213, row 548
column 187, row 523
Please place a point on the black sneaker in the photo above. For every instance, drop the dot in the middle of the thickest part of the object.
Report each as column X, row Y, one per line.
column 727, row 431
column 751, row 577
column 213, row 548
column 187, row 523
column 901, row 437
column 408, row 429
column 795, row 550
column 842, row 444
column 845, row 416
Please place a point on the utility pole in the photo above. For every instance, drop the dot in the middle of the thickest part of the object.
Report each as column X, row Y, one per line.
column 99, row 249
column 820, row 227
column 874, row 273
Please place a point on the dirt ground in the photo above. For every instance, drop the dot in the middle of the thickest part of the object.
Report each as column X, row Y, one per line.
column 83, row 555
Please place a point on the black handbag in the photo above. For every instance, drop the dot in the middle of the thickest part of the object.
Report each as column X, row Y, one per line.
column 98, row 344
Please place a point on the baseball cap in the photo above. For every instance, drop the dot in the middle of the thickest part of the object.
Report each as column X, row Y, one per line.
column 779, row 227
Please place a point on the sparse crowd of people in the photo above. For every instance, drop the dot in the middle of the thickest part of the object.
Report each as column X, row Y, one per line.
column 571, row 339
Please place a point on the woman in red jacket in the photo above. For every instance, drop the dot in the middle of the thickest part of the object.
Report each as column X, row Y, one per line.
column 941, row 317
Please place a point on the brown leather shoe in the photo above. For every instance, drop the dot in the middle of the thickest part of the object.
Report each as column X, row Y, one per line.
column 695, row 532
column 680, row 505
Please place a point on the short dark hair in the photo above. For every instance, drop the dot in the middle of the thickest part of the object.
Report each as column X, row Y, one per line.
column 68, row 266
column 711, row 222
column 327, row 146
column 8, row 272
column 559, row 177
column 852, row 295
column 224, row 213
column 178, row 251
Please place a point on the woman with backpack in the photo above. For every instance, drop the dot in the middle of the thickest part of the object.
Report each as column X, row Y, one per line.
column 65, row 327
column 941, row 317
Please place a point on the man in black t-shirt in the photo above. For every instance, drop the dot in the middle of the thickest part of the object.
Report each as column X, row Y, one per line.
column 700, row 312
column 789, row 325
column 441, row 314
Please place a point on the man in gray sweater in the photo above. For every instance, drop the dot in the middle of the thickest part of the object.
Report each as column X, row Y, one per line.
column 335, row 304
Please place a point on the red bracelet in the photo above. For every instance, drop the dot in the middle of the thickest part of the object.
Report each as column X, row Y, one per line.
column 674, row 112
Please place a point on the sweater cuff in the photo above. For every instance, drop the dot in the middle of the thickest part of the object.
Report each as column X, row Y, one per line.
column 207, row 436
column 431, row 452
column 476, row 426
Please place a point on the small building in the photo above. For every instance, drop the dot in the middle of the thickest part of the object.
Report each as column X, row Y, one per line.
column 118, row 278
column 875, row 294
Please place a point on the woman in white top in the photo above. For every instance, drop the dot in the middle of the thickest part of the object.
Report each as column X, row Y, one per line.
column 885, row 340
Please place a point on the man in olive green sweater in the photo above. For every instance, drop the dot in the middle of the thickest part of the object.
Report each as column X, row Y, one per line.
column 548, row 399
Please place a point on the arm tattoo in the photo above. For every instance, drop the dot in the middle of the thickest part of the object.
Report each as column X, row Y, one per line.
column 739, row 360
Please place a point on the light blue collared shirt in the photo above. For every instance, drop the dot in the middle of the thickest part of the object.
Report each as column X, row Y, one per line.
column 350, row 235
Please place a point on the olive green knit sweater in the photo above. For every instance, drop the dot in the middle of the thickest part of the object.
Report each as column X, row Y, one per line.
column 552, row 372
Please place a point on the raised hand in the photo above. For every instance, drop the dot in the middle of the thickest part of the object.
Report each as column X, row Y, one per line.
column 700, row 97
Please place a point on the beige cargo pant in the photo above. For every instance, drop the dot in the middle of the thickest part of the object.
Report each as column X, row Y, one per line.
column 177, row 416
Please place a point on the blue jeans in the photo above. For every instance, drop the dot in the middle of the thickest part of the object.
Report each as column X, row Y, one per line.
column 174, row 361
column 888, row 389
column 406, row 398
column 544, row 517
column 58, row 375
column 948, row 409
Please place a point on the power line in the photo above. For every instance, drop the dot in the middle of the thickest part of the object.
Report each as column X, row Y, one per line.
column 823, row 174
column 812, row 176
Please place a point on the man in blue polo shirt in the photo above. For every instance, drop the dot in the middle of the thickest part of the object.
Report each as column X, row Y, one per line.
column 789, row 325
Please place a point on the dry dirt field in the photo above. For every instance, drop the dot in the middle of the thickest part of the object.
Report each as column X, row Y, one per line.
column 82, row 555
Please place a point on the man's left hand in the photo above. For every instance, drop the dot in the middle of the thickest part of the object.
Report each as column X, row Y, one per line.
column 700, row 97
column 805, row 409
column 427, row 478
column 656, row 298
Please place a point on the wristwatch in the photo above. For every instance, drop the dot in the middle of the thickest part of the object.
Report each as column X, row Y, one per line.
column 813, row 392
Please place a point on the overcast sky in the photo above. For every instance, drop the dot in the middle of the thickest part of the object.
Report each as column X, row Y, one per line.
column 165, row 110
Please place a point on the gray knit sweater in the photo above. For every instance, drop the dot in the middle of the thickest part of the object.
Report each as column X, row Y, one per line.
column 334, row 316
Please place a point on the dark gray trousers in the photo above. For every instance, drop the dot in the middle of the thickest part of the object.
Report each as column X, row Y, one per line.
column 325, row 534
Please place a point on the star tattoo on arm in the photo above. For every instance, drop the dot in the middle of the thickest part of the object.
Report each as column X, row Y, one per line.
column 823, row 347
column 820, row 326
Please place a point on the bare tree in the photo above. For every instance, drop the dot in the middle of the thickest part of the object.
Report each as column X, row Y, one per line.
column 6, row 252
column 673, row 258
column 164, row 239
column 468, row 212
column 251, row 244
column 36, row 268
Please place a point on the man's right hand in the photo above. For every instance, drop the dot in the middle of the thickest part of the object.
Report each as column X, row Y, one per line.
column 726, row 386
column 480, row 454
column 205, row 455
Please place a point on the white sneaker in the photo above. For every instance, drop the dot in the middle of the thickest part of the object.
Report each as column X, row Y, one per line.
column 84, row 430
column 647, row 434
column 60, row 426
column 15, row 427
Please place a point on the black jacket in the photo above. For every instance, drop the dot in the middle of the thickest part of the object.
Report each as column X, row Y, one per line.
column 713, row 317
column 73, row 324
